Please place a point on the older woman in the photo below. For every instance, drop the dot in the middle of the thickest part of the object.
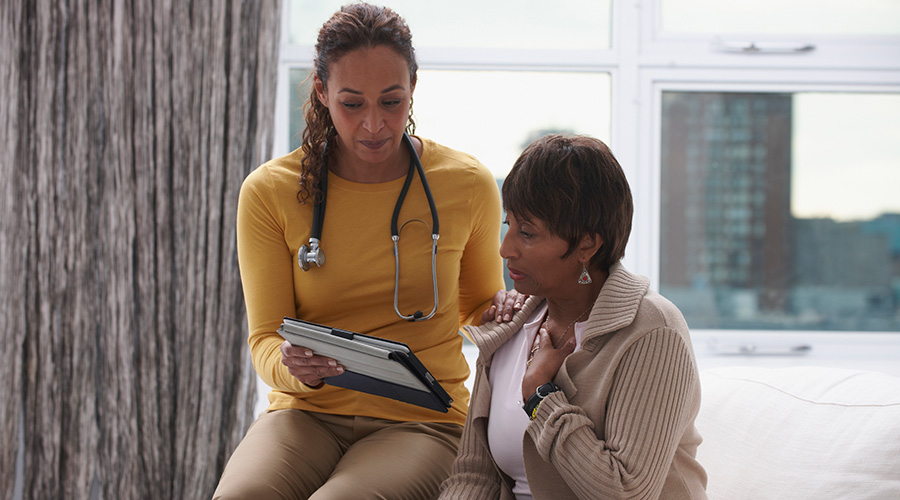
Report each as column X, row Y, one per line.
column 592, row 389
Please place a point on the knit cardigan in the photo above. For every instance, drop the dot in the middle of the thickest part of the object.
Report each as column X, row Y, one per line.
column 622, row 425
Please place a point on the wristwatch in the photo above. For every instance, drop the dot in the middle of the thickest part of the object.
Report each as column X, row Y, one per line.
column 534, row 401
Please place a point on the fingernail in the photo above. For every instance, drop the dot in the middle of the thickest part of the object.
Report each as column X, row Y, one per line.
column 307, row 353
column 339, row 369
column 506, row 318
column 332, row 362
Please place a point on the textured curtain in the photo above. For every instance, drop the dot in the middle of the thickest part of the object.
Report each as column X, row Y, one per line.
column 126, row 128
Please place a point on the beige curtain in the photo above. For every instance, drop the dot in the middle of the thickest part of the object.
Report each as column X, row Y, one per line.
column 126, row 128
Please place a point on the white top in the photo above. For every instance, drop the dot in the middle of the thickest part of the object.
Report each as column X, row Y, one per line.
column 507, row 422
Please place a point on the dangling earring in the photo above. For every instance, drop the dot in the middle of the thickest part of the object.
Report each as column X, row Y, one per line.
column 585, row 278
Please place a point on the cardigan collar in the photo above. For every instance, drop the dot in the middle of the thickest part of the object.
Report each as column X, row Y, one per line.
column 617, row 304
column 615, row 308
column 490, row 336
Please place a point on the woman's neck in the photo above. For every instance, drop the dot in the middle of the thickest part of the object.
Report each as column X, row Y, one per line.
column 564, row 312
column 348, row 167
column 368, row 174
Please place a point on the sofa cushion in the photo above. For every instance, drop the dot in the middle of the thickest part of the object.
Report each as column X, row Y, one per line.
column 800, row 433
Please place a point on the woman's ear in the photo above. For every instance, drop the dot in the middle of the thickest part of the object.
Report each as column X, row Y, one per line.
column 589, row 246
column 320, row 90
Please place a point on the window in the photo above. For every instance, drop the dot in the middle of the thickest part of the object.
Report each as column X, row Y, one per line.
column 759, row 140
column 779, row 17
column 488, row 83
column 504, row 110
column 476, row 24
column 775, row 215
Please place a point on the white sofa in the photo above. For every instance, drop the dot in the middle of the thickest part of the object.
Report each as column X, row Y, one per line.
column 800, row 433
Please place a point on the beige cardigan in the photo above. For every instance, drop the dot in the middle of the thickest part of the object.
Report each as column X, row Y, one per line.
column 623, row 424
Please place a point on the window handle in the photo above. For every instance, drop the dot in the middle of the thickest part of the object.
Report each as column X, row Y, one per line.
column 763, row 47
column 753, row 349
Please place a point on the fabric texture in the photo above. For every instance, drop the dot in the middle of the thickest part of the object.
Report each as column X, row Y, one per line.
column 355, row 287
column 802, row 433
column 622, row 425
column 348, row 462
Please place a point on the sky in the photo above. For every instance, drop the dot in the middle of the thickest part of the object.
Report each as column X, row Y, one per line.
column 846, row 155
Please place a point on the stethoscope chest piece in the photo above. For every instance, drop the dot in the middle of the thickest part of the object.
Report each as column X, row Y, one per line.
column 310, row 254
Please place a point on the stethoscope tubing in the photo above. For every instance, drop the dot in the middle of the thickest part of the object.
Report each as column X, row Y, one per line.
column 313, row 252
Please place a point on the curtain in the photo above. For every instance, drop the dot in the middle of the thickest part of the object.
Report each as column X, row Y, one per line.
column 126, row 128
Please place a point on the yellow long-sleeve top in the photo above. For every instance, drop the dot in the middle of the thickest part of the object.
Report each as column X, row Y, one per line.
column 354, row 289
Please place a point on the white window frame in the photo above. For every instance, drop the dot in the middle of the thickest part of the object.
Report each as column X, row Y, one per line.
column 642, row 64
column 671, row 63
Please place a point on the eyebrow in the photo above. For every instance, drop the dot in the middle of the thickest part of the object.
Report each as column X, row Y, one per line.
column 520, row 219
column 385, row 91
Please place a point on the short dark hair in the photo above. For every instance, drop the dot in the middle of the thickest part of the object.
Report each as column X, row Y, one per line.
column 576, row 187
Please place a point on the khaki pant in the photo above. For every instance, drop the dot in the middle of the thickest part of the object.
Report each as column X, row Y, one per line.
column 293, row 454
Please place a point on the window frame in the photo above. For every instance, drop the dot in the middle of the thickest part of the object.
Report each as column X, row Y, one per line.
column 845, row 52
column 643, row 63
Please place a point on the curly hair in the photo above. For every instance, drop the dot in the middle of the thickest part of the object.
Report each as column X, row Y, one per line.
column 355, row 26
column 575, row 186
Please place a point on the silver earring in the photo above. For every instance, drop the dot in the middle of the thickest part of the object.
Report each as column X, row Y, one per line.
column 585, row 278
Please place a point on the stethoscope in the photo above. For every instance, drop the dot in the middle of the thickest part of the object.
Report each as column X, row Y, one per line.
column 313, row 254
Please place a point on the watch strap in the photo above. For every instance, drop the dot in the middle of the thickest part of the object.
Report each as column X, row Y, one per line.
column 531, row 406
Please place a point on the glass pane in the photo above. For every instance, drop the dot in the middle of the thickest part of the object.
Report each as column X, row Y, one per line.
column 780, row 211
column 300, row 87
column 824, row 17
column 492, row 115
column 520, row 24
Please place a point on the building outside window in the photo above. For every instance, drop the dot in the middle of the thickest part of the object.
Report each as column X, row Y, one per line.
column 737, row 251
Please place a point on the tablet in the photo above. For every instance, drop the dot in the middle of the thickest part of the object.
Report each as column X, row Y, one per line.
column 372, row 365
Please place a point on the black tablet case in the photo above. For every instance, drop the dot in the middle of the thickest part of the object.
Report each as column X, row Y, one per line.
column 372, row 365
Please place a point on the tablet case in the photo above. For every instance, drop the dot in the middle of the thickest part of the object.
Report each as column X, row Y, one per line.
column 372, row 365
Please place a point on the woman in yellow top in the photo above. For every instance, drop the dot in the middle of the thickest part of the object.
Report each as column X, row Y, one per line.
column 320, row 441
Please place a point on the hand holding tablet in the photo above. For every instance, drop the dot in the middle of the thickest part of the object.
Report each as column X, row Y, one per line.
column 373, row 365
